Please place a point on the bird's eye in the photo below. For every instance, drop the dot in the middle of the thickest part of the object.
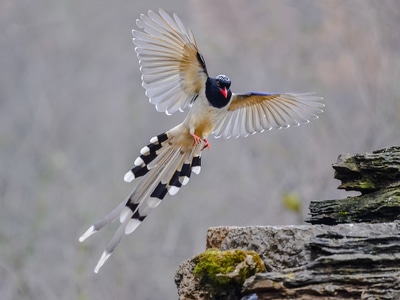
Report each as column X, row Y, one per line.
column 218, row 83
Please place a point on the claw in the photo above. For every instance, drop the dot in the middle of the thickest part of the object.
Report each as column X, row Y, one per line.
column 206, row 145
column 196, row 139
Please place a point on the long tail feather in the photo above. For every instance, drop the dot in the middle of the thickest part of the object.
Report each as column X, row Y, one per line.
column 165, row 168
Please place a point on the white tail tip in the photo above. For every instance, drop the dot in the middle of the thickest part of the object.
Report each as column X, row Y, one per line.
column 132, row 225
column 138, row 161
column 185, row 180
column 126, row 212
column 145, row 150
column 173, row 190
column 88, row 233
column 129, row 176
column 196, row 170
column 101, row 262
column 153, row 202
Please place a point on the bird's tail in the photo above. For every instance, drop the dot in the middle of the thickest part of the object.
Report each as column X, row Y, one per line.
column 165, row 167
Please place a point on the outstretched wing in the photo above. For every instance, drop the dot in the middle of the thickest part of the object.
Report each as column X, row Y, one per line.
column 173, row 70
column 255, row 112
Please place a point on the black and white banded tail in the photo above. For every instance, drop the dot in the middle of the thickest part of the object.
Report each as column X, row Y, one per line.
column 165, row 168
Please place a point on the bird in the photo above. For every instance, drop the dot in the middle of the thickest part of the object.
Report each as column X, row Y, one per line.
column 175, row 78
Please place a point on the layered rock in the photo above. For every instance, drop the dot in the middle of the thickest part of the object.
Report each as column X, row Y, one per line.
column 351, row 250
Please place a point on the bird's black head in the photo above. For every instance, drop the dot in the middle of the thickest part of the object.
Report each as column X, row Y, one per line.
column 218, row 91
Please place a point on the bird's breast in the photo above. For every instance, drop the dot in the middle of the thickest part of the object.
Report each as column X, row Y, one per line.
column 202, row 118
column 204, row 127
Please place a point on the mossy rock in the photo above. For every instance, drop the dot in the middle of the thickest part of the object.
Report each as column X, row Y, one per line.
column 221, row 270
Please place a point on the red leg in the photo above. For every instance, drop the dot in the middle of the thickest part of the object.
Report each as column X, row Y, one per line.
column 196, row 139
column 206, row 145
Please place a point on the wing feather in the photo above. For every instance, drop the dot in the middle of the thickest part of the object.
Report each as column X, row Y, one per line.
column 173, row 70
column 256, row 119
column 255, row 112
column 249, row 120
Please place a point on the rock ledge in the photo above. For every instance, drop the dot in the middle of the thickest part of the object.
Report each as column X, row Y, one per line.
column 352, row 250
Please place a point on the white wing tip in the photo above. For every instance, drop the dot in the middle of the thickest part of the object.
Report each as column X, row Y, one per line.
column 101, row 261
column 88, row 233
column 129, row 176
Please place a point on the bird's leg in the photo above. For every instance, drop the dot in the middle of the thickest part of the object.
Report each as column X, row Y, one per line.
column 197, row 140
column 206, row 145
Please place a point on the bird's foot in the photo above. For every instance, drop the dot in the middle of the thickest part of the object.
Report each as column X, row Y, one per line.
column 197, row 140
column 206, row 145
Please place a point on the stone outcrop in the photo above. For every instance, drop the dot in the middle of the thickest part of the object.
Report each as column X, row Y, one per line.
column 376, row 176
column 351, row 250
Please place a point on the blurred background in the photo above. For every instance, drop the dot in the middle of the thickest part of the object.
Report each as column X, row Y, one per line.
column 74, row 116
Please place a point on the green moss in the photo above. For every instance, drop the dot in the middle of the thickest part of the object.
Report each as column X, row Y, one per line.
column 343, row 216
column 218, row 269
column 367, row 185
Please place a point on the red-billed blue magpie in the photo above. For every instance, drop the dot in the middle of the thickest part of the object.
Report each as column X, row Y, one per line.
column 175, row 77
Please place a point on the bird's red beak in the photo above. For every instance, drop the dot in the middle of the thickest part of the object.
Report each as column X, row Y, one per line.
column 224, row 92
